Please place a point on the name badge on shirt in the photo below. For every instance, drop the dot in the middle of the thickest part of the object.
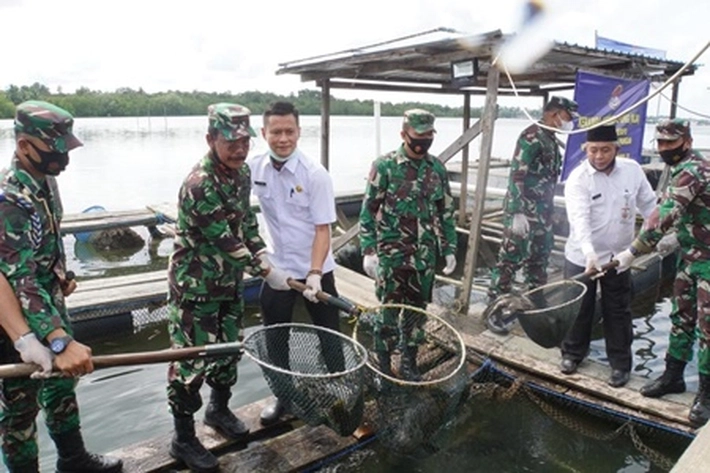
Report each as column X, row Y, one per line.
column 259, row 183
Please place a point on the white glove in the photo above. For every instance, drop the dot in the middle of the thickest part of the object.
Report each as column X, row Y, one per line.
column 277, row 279
column 369, row 265
column 668, row 243
column 625, row 258
column 313, row 283
column 521, row 226
column 592, row 262
column 33, row 351
column 450, row 264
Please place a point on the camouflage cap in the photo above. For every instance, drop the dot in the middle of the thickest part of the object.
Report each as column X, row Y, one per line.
column 52, row 124
column 565, row 104
column 672, row 129
column 231, row 119
column 420, row 120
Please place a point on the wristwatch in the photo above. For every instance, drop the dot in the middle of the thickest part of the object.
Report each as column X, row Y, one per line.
column 59, row 344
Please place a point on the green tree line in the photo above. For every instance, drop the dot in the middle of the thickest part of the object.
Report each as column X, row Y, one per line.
column 126, row 102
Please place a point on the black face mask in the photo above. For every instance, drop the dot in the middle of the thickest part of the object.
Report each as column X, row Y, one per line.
column 419, row 145
column 672, row 156
column 47, row 159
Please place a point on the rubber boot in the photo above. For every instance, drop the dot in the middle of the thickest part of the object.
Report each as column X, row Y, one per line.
column 408, row 368
column 186, row 448
column 273, row 412
column 219, row 416
column 700, row 412
column 670, row 382
column 384, row 359
column 32, row 467
column 72, row 456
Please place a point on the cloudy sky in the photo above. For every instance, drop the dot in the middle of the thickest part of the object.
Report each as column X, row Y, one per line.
column 237, row 45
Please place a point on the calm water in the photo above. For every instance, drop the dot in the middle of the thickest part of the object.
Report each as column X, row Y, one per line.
column 128, row 163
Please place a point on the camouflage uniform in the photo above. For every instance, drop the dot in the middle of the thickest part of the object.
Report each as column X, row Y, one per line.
column 407, row 214
column 32, row 259
column 217, row 238
column 686, row 208
column 534, row 171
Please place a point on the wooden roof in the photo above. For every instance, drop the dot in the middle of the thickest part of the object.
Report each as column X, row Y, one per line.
column 427, row 66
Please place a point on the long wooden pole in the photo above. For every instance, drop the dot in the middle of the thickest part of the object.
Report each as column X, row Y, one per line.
column 19, row 370
column 338, row 302
column 487, row 126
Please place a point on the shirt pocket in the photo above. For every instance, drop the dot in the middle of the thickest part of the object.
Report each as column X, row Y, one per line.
column 261, row 191
column 298, row 205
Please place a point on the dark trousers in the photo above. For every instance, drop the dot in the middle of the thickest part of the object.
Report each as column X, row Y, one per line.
column 616, row 318
column 277, row 308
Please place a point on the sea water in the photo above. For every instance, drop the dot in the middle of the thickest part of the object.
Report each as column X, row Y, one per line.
column 128, row 163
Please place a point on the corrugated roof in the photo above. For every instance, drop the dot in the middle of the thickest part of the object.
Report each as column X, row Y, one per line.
column 413, row 63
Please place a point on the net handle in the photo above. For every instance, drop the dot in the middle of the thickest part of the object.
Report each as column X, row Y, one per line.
column 595, row 273
column 339, row 302
column 19, row 370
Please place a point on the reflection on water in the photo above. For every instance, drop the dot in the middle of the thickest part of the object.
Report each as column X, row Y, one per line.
column 517, row 437
column 128, row 163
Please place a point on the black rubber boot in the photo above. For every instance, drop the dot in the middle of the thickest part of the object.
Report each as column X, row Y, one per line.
column 273, row 412
column 670, row 382
column 219, row 416
column 72, row 456
column 26, row 468
column 408, row 368
column 186, row 448
column 700, row 412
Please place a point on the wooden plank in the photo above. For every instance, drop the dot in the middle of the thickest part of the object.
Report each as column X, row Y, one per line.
column 525, row 355
column 112, row 295
column 345, row 238
column 697, row 456
column 166, row 209
column 104, row 220
column 152, row 455
column 293, row 451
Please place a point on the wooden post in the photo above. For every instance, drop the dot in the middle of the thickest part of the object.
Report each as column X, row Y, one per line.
column 464, row 161
column 325, row 123
column 674, row 98
column 487, row 126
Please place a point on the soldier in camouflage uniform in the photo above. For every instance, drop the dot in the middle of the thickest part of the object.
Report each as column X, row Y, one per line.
column 528, row 205
column 217, row 240
column 32, row 262
column 407, row 215
column 685, row 209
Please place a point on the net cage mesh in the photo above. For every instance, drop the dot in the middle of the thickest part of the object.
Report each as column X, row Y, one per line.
column 555, row 308
column 317, row 372
column 411, row 405
column 660, row 444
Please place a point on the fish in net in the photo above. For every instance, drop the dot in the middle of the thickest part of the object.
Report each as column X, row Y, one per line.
column 415, row 393
column 317, row 372
column 546, row 313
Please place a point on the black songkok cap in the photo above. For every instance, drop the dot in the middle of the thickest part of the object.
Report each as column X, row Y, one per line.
column 602, row 133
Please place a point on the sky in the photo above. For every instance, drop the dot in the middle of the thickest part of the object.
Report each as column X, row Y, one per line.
column 237, row 45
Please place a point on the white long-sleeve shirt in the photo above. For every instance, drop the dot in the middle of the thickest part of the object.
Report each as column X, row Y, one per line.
column 602, row 209
column 293, row 201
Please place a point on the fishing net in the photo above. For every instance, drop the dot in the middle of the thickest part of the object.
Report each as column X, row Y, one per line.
column 416, row 374
column 556, row 308
column 546, row 313
column 318, row 373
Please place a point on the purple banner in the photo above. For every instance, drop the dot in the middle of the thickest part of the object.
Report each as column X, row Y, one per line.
column 601, row 97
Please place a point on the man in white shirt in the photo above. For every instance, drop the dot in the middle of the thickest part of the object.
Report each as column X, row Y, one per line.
column 297, row 201
column 603, row 195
